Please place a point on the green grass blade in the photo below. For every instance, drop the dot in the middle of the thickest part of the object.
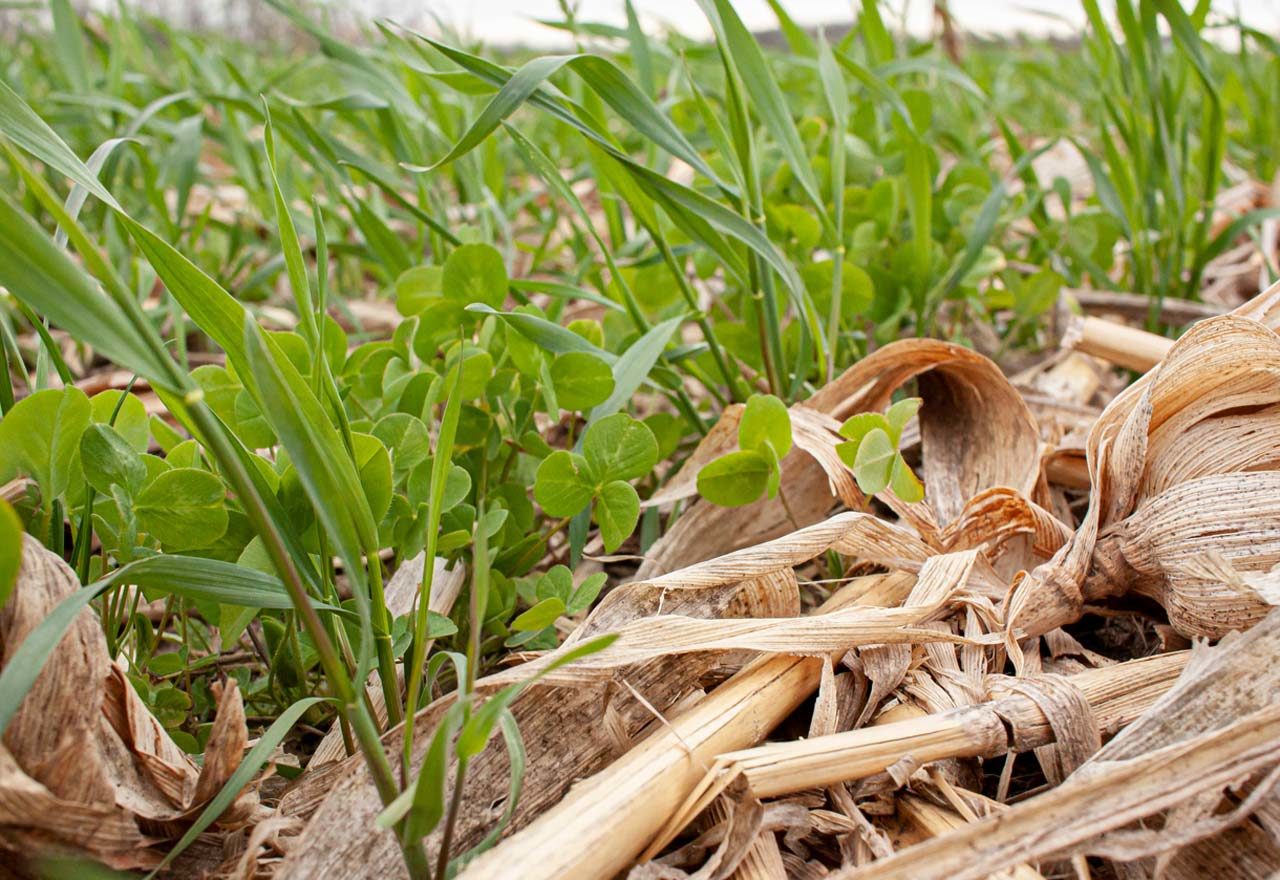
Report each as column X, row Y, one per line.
column 294, row 263
column 248, row 768
column 323, row 465
column 20, row 124
column 40, row 273
column 767, row 99
column 68, row 38
column 632, row 368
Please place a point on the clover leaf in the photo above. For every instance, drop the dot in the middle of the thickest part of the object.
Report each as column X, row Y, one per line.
column 615, row 450
column 872, row 451
column 581, row 380
column 755, row 469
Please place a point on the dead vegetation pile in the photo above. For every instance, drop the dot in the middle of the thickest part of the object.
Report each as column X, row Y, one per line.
column 1065, row 661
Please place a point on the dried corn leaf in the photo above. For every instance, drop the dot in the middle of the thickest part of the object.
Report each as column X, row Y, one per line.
column 560, row 727
column 976, row 430
column 85, row 769
column 1163, row 495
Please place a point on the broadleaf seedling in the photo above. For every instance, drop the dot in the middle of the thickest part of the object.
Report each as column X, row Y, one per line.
column 755, row 469
column 872, row 450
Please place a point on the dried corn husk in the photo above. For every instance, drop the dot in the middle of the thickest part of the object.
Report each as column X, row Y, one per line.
column 1217, row 726
column 561, row 725
column 85, row 769
column 1159, row 482
column 976, row 431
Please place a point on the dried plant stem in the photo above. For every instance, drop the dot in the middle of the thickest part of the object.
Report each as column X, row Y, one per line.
column 932, row 820
column 1064, row 819
column 1125, row 346
column 605, row 822
column 1136, row 306
column 1118, row 694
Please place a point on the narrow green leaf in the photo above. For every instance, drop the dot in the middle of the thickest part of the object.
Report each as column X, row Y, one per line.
column 248, row 768
column 478, row 728
column 39, row 273
column 68, row 40
column 547, row 334
column 20, row 124
column 26, row 662
column 767, row 99
column 632, row 368
column 295, row 265
column 322, row 462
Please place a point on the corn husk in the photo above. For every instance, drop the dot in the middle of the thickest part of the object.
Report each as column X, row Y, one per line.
column 85, row 768
column 1217, row 726
column 1178, row 470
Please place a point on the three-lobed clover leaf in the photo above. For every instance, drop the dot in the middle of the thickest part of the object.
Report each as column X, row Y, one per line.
column 615, row 450
column 477, row 368
column 872, row 451
column 418, row 288
column 553, row 594
column 735, row 479
column 39, row 438
column 755, row 469
column 620, row 448
column 617, row 511
column 564, row 483
column 765, row 420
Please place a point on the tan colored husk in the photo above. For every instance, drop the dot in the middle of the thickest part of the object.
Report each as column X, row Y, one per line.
column 1089, row 805
column 85, row 769
column 603, row 824
column 1217, row 727
column 967, row 401
column 1201, row 415
column 563, row 723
